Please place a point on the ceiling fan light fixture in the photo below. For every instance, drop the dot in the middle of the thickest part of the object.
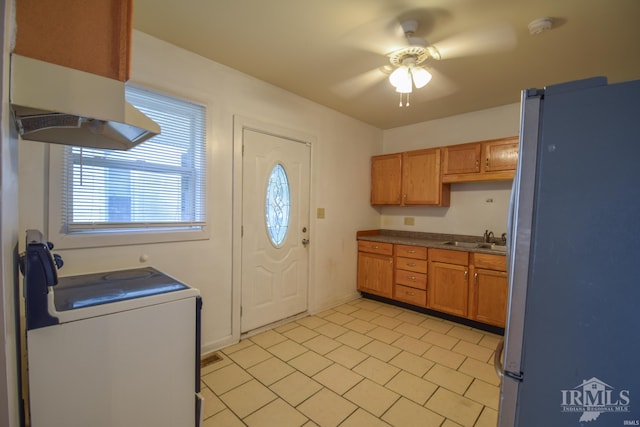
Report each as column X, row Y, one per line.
column 405, row 87
column 420, row 77
column 400, row 77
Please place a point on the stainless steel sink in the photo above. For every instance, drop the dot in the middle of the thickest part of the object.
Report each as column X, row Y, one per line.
column 494, row 247
column 463, row 244
column 491, row 246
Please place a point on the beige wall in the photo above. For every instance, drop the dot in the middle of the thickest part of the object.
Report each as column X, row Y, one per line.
column 340, row 184
column 474, row 207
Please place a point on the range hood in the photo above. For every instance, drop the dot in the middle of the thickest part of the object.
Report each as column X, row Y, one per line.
column 61, row 105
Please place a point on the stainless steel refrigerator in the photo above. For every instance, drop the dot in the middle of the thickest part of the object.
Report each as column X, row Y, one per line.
column 572, row 342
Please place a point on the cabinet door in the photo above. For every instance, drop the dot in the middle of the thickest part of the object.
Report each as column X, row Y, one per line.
column 92, row 36
column 421, row 180
column 501, row 155
column 464, row 158
column 386, row 179
column 375, row 274
column 489, row 297
column 448, row 288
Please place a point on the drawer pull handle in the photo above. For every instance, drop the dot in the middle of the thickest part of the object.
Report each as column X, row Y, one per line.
column 412, row 278
column 410, row 293
column 375, row 247
column 412, row 252
column 411, row 264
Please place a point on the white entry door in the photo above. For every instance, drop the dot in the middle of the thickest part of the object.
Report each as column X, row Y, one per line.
column 275, row 228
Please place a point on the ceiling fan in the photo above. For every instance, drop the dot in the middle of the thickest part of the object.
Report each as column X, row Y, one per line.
column 411, row 67
column 408, row 61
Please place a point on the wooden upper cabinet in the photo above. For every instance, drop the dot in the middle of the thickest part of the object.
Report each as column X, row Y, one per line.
column 492, row 160
column 386, row 179
column 421, row 178
column 463, row 158
column 501, row 155
column 92, row 36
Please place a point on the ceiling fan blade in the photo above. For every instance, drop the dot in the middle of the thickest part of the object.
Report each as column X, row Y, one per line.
column 354, row 86
column 379, row 36
column 439, row 87
column 494, row 39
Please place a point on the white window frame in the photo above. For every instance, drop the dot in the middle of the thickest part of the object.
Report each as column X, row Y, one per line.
column 57, row 230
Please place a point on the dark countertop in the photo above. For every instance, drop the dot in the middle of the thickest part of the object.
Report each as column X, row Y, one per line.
column 429, row 240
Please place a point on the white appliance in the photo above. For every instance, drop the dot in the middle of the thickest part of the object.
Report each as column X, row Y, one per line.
column 115, row 349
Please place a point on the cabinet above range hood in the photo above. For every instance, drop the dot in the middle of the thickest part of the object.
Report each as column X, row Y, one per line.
column 61, row 105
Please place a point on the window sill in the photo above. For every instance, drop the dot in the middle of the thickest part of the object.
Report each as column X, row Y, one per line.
column 80, row 240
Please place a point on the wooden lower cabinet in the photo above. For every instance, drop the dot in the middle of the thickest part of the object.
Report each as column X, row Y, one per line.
column 448, row 285
column 489, row 290
column 448, row 288
column 410, row 275
column 375, row 268
column 463, row 284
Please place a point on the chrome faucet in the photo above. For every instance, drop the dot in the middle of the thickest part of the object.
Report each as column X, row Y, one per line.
column 488, row 236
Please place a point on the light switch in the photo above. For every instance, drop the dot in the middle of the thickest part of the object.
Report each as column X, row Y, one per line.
column 320, row 213
column 409, row 220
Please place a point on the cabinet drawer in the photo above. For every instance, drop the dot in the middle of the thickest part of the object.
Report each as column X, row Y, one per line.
column 417, row 265
column 490, row 262
column 406, row 251
column 412, row 279
column 375, row 247
column 449, row 257
column 410, row 295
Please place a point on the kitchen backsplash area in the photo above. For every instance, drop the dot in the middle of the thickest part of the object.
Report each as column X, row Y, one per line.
column 474, row 208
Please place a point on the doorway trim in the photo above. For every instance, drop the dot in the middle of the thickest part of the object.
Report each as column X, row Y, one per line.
column 240, row 123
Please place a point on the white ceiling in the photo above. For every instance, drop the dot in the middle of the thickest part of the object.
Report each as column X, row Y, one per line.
column 331, row 51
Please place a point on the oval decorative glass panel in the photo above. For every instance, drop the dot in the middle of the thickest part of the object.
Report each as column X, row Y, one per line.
column 277, row 206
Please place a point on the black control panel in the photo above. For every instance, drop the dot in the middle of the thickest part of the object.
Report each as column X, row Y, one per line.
column 40, row 269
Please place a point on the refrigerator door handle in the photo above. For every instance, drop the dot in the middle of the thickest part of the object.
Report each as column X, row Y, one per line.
column 497, row 363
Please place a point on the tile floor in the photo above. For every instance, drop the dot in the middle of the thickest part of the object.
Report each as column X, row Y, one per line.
column 363, row 363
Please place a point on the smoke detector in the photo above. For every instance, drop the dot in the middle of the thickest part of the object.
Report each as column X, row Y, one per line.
column 539, row 26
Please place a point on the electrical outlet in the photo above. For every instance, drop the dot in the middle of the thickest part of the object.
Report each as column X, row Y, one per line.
column 409, row 220
column 320, row 213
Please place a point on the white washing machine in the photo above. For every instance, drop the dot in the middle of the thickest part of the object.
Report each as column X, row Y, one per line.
column 114, row 349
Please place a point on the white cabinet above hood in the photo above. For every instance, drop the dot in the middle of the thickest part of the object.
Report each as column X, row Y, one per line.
column 61, row 105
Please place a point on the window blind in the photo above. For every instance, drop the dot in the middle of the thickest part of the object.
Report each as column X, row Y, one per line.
column 157, row 184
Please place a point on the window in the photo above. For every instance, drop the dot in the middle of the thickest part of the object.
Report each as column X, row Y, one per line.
column 277, row 205
column 158, row 185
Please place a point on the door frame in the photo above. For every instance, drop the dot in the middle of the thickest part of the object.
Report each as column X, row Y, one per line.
column 240, row 123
